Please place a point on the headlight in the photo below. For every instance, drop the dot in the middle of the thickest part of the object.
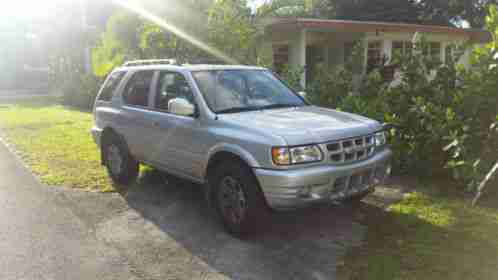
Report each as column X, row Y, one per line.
column 380, row 138
column 296, row 155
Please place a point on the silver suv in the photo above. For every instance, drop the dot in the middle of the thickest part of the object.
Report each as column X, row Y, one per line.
column 240, row 132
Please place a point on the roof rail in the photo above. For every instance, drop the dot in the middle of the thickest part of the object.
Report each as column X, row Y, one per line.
column 150, row 62
column 205, row 61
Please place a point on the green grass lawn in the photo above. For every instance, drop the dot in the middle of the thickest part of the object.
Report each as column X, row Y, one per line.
column 429, row 235
column 55, row 142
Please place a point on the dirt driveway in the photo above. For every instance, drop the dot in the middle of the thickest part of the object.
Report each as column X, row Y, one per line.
column 165, row 231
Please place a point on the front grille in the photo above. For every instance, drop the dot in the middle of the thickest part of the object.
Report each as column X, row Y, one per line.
column 351, row 150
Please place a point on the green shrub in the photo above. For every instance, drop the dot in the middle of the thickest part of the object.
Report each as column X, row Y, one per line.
column 292, row 76
column 80, row 91
column 445, row 116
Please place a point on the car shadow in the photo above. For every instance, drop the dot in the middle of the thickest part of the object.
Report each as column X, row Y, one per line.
column 303, row 244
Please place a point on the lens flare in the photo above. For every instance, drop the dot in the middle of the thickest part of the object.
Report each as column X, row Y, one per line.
column 175, row 30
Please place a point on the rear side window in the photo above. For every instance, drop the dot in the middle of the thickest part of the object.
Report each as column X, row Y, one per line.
column 110, row 86
column 137, row 89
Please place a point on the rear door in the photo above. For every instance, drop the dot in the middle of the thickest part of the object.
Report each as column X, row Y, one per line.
column 135, row 121
column 103, row 113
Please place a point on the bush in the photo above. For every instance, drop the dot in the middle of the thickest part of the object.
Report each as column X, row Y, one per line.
column 445, row 116
column 80, row 91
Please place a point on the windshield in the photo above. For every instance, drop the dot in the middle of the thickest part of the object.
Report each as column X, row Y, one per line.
column 231, row 91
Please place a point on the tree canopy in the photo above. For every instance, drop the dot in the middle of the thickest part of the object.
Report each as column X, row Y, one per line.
column 439, row 12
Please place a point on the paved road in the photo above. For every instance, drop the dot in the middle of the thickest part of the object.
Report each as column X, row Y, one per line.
column 40, row 238
column 155, row 231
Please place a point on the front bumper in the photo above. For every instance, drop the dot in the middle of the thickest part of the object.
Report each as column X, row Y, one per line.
column 96, row 134
column 291, row 189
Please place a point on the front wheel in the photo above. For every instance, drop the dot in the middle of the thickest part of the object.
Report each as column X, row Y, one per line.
column 120, row 164
column 238, row 199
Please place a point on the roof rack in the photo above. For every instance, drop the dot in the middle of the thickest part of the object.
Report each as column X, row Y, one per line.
column 150, row 62
column 205, row 61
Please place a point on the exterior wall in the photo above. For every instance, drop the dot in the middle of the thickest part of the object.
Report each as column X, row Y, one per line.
column 445, row 40
column 332, row 44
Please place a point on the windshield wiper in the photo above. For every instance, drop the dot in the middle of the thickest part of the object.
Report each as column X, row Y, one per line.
column 276, row 106
column 237, row 110
column 255, row 108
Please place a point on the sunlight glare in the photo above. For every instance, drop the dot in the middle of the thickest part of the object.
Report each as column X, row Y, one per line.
column 27, row 8
column 175, row 30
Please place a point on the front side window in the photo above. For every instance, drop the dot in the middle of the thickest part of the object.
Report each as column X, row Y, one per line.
column 137, row 89
column 171, row 86
column 230, row 91
column 110, row 85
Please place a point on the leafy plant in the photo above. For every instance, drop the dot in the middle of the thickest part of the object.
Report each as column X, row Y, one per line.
column 445, row 116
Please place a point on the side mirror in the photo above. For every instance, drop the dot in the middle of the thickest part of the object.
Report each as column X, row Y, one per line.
column 180, row 106
column 302, row 94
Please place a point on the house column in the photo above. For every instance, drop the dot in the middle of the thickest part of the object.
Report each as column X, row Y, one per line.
column 297, row 54
column 387, row 49
column 365, row 55
column 443, row 52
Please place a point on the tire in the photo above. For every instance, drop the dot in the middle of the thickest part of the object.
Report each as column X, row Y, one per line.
column 237, row 198
column 357, row 199
column 121, row 166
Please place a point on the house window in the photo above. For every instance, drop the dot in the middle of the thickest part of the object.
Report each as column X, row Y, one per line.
column 348, row 51
column 402, row 47
column 433, row 51
column 374, row 55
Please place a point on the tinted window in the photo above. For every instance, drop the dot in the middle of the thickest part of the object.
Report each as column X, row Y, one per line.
column 110, row 86
column 137, row 89
column 171, row 86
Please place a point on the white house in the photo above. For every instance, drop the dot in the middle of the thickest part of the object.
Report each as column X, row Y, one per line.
column 305, row 42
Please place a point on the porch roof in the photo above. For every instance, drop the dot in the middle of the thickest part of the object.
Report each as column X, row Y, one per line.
column 475, row 35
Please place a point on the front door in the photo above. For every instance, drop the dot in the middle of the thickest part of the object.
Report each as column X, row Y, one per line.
column 175, row 147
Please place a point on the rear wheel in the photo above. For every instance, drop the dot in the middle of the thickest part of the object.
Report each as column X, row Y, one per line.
column 120, row 164
column 238, row 199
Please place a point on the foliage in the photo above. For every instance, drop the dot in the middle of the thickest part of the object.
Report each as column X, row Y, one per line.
column 81, row 91
column 376, row 10
column 231, row 30
column 330, row 86
column 471, row 11
column 440, row 12
column 292, row 76
column 444, row 115
column 120, row 42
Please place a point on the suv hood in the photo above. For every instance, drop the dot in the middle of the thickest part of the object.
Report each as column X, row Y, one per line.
column 305, row 125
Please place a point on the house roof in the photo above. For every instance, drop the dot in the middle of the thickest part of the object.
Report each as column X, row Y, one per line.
column 476, row 35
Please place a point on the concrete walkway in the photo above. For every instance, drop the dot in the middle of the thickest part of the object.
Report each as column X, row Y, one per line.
column 40, row 238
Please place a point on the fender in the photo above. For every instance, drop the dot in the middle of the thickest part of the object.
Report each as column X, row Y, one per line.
column 230, row 148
